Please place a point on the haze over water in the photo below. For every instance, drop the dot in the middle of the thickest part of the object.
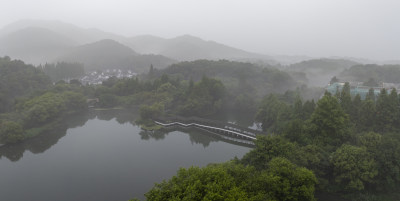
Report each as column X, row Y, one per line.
column 106, row 160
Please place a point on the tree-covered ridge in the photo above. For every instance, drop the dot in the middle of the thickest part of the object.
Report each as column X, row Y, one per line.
column 319, row 71
column 322, row 65
column 352, row 145
column 238, row 77
column 63, row 70
column 110, row 54
column 18, row 79
column 379, row 73
column 206, row 97
column 190, row 48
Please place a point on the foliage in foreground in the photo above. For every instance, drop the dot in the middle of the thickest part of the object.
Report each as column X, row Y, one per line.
column 352, row 145
column 282, row 180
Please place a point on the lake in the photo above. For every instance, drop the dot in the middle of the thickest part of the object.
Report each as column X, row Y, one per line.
column 103, row 156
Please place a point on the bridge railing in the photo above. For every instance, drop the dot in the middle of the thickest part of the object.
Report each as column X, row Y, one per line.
column 209, row 122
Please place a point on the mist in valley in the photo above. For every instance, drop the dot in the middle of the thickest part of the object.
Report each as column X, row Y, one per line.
column 252, row 100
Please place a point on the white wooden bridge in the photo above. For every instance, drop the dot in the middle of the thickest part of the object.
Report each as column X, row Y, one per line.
column 230, row 131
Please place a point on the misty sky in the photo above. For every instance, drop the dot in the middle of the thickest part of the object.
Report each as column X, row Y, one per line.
column 357, row 28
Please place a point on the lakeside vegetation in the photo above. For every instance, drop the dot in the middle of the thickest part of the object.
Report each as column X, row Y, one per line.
column 31, row 104
column 338, row 145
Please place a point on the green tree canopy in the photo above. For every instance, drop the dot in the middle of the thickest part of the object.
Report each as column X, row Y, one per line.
column 353, row 167
column 329, row 123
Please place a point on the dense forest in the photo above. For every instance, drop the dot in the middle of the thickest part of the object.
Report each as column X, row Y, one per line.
column 239, row 77
column 337, row 145
column 63, row 70
column 340, row 128
column 380, row 73
column 106, row 54
column 318, row 71
column 30, row 102
column 339, row 148
column 17, row 79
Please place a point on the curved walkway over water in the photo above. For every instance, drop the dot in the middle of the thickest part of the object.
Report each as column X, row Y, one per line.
column 228, row 129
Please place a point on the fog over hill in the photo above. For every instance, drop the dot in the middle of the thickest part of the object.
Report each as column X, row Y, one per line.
column 78, row 34
column 182, row 48
column 188, row 48
column 41, row 41
column 34, row 44
column 320, row 71
column 107, row 53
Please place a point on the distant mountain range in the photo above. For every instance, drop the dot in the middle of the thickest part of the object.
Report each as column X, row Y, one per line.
column 109, row 54
column 39, row 41
column 73, row 32
column 189, row 48
column 35, row 45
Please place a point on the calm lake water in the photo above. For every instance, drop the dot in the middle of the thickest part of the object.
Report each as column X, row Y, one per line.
column 103, row 156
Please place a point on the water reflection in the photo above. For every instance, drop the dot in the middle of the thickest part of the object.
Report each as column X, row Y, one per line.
column 196, row 136
column 241, row 119
column 121, row 116
column 43, row 142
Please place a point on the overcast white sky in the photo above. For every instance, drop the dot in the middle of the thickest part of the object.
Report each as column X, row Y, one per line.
column 357, row 28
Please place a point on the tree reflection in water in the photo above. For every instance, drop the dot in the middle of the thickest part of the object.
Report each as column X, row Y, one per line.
column 43, row 142
column 196, row 135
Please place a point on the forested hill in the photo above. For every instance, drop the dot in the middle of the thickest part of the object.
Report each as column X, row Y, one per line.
column 244, row 77
column 380, row 73
column 108, row 54
column 190, row 48
column 320, row 71
column 17, row 79
column 324, row 64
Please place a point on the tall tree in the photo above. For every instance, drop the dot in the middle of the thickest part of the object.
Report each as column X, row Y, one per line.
column 151, row 71
column 367, row 115
column 394, row 105
column 329, row 123
column 308, row 109
column 298, row 108
column 345, row 98
column 270, row 112
column 356, row 110
column 371, row 95
column 384, row 109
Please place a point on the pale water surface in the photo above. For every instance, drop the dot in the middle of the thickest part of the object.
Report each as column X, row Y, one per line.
column 103, row 158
